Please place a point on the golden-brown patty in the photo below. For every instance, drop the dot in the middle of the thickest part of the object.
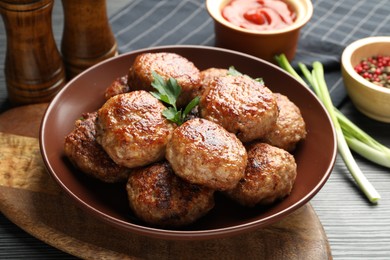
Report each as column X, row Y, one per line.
column 159, row 197
column 118, row 86
column 241, row 105
column 132, row 129
column 269, row 176
column 290, row 127
column 167, row 65
column 204, row 153
column 208, row 75
column 85, row 153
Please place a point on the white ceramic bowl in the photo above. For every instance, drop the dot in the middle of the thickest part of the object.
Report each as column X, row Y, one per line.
column 370, row 99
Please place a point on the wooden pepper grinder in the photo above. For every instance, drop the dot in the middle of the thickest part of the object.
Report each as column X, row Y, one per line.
column 34, row 70
column 87, row 37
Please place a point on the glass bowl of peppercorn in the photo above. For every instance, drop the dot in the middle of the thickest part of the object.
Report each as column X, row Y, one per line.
column 366, row 73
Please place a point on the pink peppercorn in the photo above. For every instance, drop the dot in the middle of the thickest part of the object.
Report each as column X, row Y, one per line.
column 375, row 69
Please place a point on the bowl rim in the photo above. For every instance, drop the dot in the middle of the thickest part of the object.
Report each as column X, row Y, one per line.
column 179, row 234
column 350, row 50
column 305, row 5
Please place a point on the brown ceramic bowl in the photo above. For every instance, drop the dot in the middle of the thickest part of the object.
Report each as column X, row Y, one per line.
column 370, row 99
column 262, row 44
column 315, row 156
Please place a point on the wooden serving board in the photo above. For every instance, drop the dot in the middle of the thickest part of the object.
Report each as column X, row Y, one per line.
column 34, row 202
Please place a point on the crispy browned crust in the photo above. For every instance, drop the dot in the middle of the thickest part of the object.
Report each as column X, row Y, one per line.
column 118, row 86
column 290, row 127
column 208, row 75
column 241, row 105
column 166, row 65
column 160, row 198
column 132, row 129
column 204, row 153
column 85, row 153
column 269, row 176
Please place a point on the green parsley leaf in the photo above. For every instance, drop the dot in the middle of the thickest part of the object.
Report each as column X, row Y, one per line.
column 173, row 115
column 168, row 92
column 191, row 106
column 232, row 71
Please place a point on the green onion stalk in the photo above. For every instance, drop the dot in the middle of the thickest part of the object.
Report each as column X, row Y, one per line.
column 358, row 140
column 348, row 135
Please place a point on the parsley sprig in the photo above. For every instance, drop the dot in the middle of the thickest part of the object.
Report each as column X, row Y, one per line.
column 168, row 92
column 232, row 71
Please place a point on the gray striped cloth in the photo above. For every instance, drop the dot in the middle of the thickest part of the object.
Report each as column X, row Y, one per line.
column 333, row 26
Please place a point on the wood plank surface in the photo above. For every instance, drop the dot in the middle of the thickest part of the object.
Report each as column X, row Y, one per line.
column 30, row 199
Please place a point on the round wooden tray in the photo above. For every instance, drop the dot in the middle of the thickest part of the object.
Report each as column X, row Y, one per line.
column 30, row 199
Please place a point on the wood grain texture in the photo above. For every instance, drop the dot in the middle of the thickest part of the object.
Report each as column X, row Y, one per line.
column 53, row 218
column 34, row 70
column 26, row 124
column 87, row 36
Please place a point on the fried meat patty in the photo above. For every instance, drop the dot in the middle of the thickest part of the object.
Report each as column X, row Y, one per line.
column 86, row 154
column 160, row 198
column 269, row 176
column 118, row 86
column 132, row 129
column 166, row 65
column 241, row 105
column 290, row 127
column 204, row 153
column 208, row 75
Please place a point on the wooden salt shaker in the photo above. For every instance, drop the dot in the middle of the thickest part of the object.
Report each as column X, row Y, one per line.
column 87, row 37
column 34, row 70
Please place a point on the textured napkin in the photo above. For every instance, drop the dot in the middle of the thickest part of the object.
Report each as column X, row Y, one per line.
column 334, row 25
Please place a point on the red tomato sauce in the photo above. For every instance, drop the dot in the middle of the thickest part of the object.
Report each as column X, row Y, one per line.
column 260, row 15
